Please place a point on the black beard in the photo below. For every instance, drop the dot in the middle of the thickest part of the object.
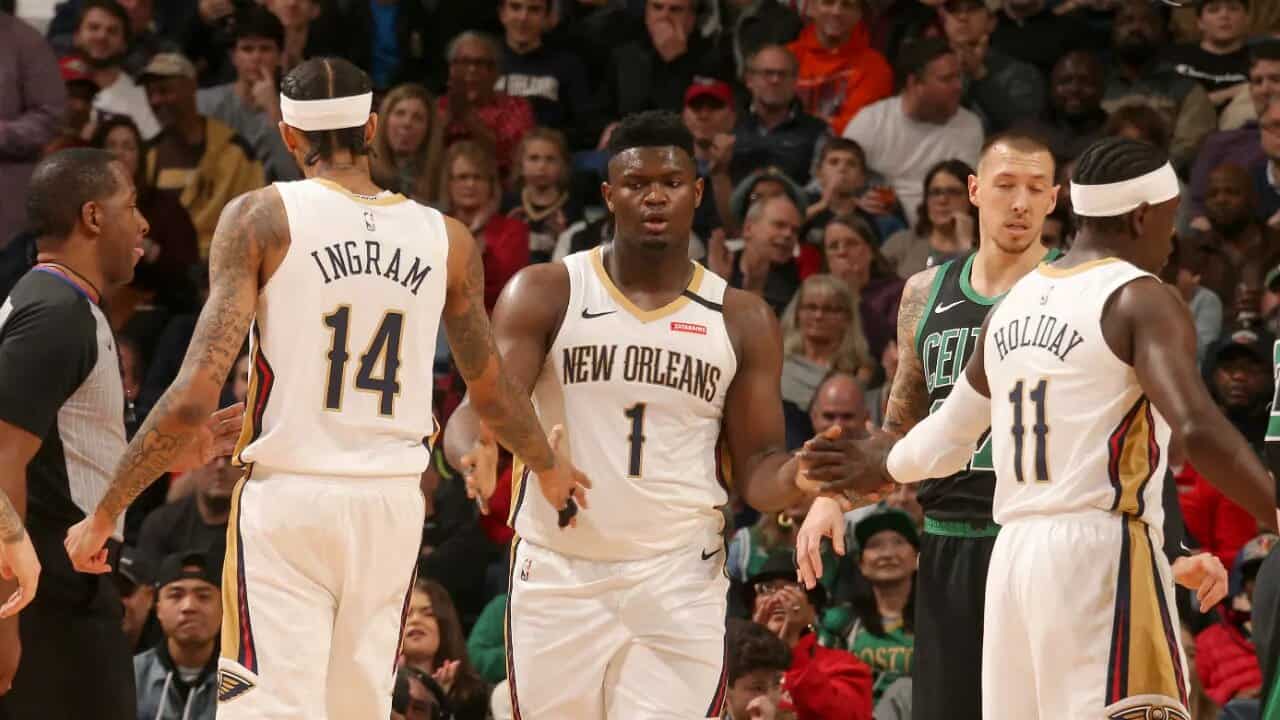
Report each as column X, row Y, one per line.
column 1231, row 227
column 218, row 505
column 1136, row 52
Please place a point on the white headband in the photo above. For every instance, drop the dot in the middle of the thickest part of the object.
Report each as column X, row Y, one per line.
column 331, row 114
column 1118, row 198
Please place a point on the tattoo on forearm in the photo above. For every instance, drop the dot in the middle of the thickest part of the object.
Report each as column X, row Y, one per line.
column 475, row 354
column 909, row 395
column 12, row 529
column 248, row 226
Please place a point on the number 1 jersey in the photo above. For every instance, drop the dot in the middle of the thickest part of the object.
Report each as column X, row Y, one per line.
column 1071, row 429
column 343, row 344
column 641, row 396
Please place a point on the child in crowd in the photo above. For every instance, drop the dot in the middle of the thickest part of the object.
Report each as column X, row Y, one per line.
column 843, row 188
column 540, row 196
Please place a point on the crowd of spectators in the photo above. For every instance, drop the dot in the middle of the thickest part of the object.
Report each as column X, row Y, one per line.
column 836, row 139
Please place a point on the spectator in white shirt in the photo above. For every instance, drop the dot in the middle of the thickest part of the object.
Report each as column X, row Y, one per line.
column 909, row 133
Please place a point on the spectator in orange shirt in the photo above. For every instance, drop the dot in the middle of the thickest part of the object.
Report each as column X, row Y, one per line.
column 839, row 71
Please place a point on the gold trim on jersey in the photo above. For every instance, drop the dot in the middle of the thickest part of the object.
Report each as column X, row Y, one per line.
column 518, row 482
column 695, row 282
column 261, row 380
column 237, row 633
column 1145, row 658
column 391, row 199
column 1056, row 272
column 1133, row 458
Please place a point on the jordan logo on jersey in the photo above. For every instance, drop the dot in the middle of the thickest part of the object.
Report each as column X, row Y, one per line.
column 1046, row 332
column 651, row 365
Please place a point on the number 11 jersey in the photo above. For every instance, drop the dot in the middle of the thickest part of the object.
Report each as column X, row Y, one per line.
column 1071, row 429
column 641, row 395
column 343, row 343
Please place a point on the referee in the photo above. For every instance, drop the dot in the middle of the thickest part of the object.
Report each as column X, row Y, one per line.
column 62, row 413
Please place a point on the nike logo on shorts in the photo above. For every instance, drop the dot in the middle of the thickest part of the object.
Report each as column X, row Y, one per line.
column 943, row 308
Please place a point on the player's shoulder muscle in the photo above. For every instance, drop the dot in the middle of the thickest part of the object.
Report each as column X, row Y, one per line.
column 533, row 302
column 753, row 328
column 252, row 231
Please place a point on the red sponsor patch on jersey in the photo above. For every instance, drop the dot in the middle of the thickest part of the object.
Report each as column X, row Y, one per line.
column 694, row 328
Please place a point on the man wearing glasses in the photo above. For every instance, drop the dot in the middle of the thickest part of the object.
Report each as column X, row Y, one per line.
column 775, row 130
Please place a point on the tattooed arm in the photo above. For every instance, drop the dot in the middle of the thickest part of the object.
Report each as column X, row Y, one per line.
column 252, row 227
column 502, row 404
column 909, row 395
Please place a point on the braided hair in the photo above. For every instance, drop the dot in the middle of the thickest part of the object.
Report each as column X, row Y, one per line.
column 322, row 79
column 1111, row 160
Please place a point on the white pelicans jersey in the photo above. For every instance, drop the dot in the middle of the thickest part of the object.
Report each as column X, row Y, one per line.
column 344, row 340
column 1071, row 428
column 641, row 396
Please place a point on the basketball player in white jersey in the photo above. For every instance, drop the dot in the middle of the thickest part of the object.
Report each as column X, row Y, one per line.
column 1084, row 373
column 344, row 286
column 653, row 367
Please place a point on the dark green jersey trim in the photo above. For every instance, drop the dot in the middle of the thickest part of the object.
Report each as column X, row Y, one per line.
column 938, row 277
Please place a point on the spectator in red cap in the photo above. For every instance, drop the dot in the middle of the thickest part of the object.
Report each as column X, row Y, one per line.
column 710, row 117
column 76, row 129
column 839, row 71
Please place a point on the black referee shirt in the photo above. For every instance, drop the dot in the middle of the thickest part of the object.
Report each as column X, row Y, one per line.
column 60, row 381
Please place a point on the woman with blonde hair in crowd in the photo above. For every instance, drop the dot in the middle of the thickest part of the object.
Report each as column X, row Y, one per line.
column 433, row 642
column 409, row 144
column 849, row 247
column 470, row 192
column 821, row 332
column 540, row 190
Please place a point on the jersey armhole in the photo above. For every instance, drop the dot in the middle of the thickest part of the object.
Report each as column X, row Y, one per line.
column 934, row 289
column 1110, row 291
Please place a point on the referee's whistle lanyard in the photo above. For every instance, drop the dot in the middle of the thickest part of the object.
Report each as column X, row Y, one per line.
column 86, row 288
column 68, row 274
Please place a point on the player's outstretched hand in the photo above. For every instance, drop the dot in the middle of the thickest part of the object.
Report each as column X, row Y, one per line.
column 18, row 561
column 563, row 485
column 832, row 461
column 216, row 439
column 1204, row 574
column 86, row 544
column 824, row 519
column 480, row 468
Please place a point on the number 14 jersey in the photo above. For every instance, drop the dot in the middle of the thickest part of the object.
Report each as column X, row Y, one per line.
column 1071, row 429
column 343, row 342
column 641, row 395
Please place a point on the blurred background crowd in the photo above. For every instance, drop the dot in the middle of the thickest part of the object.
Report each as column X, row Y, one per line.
column 835, row 138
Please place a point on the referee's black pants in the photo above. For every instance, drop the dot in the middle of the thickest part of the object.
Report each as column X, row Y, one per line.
column 946, row 668
column 76, row 663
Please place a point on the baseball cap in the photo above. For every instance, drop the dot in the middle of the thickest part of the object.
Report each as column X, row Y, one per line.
column 703, row 87
column 1244, row 343
column 75, row 70
column 781, row 564
column 168, row 65
column 190, row 565
column 887, row 519
column 135, row 566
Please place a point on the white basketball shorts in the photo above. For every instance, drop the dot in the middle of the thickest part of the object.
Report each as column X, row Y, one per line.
column 314, row 588
column 1080, row 622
